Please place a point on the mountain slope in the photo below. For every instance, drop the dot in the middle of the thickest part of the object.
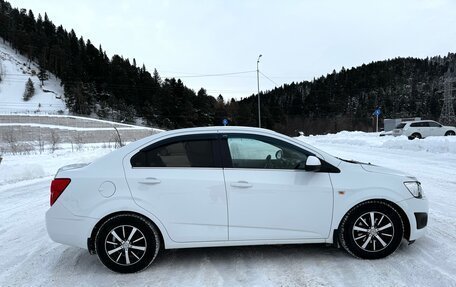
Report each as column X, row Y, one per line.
column 401, row 87
column 113, row 88
column 15, row 70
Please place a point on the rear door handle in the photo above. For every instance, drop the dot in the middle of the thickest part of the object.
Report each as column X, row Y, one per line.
column 241, row 184
column 150, row 180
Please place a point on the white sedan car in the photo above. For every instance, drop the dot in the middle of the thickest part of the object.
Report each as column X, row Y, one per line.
column 423, row 129
column 226, row 186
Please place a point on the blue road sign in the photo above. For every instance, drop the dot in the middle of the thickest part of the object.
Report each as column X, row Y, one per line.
column 225, row 122
column 377, row 112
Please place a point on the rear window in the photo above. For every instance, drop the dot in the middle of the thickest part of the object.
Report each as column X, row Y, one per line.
column 400, row 126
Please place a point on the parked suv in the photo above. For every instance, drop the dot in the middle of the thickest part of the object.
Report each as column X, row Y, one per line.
column 423, row 129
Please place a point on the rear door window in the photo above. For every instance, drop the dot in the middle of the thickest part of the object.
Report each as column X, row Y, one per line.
column 181, row 153
column 420, row 125
column 425, row 124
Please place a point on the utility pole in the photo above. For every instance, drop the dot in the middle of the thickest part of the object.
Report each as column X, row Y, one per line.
column 258, row 86
column 447, row 115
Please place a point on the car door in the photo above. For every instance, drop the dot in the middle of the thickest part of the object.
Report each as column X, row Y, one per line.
column 180, row 181
column 268, row 198
column 425, row 129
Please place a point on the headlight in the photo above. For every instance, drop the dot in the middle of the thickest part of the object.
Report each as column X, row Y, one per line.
column 415, row 188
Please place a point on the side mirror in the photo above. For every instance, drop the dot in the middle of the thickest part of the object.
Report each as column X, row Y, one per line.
column 312, row 163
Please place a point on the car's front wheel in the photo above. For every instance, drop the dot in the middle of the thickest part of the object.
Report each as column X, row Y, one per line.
column 127, row 243
column 371, row 230
column 450, row 133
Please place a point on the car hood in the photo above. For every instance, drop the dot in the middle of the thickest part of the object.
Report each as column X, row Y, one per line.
column 384, row 170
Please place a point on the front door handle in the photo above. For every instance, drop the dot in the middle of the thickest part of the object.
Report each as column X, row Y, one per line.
column 150, row 180
column 241, row 184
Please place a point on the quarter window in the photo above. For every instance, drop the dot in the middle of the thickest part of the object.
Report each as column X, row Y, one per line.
column 264, row 153
column 190, row 153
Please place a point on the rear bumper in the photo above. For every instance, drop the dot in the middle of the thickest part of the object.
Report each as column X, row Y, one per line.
column 66, row 228
column 417, row 214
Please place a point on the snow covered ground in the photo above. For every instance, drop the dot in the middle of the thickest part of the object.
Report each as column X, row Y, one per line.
column 14, row 73
column 30, row 258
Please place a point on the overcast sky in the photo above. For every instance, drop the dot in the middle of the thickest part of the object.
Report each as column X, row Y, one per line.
column 299, row 40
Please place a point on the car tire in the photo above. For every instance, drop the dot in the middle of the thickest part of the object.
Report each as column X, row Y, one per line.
column 365, row 240
column 127, row 243
column 450, row 133
column 415, row 136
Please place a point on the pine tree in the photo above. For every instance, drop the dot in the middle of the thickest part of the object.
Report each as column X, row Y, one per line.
column 43, row 75
column 157, row 77
column 29, row 90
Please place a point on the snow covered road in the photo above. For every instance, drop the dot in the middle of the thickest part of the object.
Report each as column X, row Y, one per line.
column 30, row 258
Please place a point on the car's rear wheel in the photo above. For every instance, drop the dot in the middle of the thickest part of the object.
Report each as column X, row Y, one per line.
column 450, row 133
column 127, row 243
column 371, row 230
column 415, row 136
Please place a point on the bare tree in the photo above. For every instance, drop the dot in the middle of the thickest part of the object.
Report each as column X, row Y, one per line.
column 117, row 139
column 26, row 148
column 78, row 139
column 41, row 143
column 54, row 140
column 10, row 138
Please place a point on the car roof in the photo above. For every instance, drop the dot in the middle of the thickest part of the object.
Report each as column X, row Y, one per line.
column 222, row 129
column 418, row 121
column 200, row 130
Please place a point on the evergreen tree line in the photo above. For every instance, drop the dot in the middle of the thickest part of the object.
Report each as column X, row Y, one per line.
column 113, row 88
column 117, row 88
column 401, row 87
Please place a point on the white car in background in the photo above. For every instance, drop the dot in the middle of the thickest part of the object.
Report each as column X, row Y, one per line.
column 423, row 129
column 230, row 186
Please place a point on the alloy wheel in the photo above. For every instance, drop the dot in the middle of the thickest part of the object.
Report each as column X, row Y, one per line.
column 373, row 231
column 125, row 245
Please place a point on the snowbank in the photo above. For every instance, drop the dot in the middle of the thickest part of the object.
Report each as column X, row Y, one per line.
column 16, row 168
column 430, row 144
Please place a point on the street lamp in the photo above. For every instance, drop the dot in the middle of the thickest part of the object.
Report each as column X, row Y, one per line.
column 258, row 85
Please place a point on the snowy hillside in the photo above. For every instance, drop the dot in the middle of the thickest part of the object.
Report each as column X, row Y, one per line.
column 15, row 70
column 30, row 258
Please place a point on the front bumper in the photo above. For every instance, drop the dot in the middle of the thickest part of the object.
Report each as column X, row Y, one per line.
column 66, row 228
column 417, row 210
column 421, row 219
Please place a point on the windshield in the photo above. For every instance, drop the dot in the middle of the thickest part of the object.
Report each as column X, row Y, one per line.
column 400, row 126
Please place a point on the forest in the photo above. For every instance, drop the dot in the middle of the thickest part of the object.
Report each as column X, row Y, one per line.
column 117, row 88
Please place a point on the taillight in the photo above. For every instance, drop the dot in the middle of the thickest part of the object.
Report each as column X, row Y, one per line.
column 58, row 185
